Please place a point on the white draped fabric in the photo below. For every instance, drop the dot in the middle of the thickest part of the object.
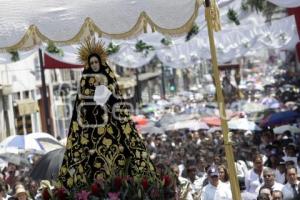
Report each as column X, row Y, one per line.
column 181, row 56
column 129, row 58
column 126, row 57
column 245, row 17
column 286, row 3
column 26, row 23
column 230, row 44
column 5, row 58
column 234, row 43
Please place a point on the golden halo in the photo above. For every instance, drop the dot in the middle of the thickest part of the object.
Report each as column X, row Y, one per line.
column 90, row 46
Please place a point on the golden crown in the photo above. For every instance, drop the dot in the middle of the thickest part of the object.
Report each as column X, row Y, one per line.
column 90, row 46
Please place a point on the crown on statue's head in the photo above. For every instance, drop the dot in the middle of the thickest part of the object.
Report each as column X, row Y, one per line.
column 90, row 46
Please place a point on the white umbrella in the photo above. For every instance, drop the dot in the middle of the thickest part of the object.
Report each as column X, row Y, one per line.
column 188, row 124
column 242, row 124
column 22, row 144
column 17, row 159
column 252, row 107
column 270, row 102
column 214, row 129
column 283, row 128
column 41, row 135
column 47, row 141
column 152, row 130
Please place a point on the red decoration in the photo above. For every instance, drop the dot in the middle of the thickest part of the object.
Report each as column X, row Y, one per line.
column 145, row 183
column 96, row 189
column 46, row 195
column 118, row 182
column 53, row 63
column 61, row 194
column 166, row 181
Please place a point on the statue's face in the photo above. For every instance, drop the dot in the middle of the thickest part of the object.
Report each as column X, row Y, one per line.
column 94, row 63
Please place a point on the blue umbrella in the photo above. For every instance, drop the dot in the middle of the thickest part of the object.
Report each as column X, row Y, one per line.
column 280, row 118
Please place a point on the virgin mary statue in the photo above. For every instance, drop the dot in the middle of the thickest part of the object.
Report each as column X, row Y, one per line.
column 102, row 139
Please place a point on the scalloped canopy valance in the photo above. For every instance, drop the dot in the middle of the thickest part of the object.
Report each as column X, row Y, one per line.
column 25, row 24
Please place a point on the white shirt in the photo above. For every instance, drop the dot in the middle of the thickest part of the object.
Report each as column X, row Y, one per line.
column 197, row 186
column 288, row 158
column 279, row 177
column 287, row 191
column 187, row 186
column 241, row 168
column 221, row 192
column 275, row 186
column 252, row 181
column 248, row 196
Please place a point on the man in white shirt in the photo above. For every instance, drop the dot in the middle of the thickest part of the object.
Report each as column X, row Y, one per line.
column 196, row 182
column 280, row 172
column 253, row 178
column 277, row 195
column 184, row 185
column 291, row 188
column 290, row 153
column 269, row 180
column 215, row 190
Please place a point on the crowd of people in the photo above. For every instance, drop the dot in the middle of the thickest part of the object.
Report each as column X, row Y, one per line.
column 267, row 163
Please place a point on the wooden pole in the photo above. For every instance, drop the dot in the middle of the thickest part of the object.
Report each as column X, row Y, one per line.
column 44, row 94
column 235, row 189
column 163, row 81
column 138, row 88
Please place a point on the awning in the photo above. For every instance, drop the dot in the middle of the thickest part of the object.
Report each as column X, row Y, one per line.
column 53, row 63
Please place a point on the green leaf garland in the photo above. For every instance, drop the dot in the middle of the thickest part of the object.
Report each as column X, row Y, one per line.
column 143, row 47
column 14, row 56
column 233, row 16
column 194, row 31
column 166, row 41
column 112, row 48
column 51, row 48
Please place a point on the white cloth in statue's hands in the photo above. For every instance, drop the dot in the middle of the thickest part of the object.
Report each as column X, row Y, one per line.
column 102, row 94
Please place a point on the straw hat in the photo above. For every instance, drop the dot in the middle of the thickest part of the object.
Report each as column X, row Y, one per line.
column 45, row 184
column 20, row 190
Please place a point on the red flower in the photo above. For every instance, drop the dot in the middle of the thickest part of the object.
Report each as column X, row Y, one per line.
column 118, row 182
column 166, row 180
column 61, row 194
column 95, row 188
column 45, row 194
column 145, row 183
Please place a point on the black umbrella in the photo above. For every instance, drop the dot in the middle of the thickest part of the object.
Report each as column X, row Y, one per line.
column 48, row 166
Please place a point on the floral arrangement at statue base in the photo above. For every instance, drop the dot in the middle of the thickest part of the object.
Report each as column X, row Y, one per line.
column 118, row 188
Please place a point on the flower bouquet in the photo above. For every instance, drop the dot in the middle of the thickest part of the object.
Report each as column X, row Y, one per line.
column 118, row 188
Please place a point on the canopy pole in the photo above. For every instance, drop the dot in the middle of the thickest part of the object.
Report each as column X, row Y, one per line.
column 44, row 94
column 235, row 189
